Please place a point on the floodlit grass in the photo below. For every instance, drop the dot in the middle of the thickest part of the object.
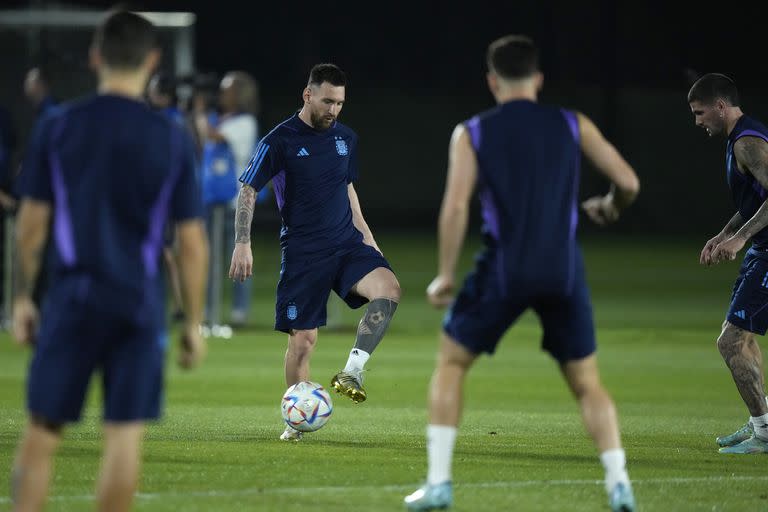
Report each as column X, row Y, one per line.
column 521, row 445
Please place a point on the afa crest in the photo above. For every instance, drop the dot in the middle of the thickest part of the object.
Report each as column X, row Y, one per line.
column 341, row 147
column 292, row 312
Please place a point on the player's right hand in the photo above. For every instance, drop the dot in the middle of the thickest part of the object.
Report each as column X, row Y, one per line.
column 241, row 267
column 25, row 320
column 193, row 347
column 706, row 254
column 440, row 291
column 601, row 210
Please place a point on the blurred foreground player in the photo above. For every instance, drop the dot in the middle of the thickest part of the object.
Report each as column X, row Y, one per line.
column 109, row 174
column 523, row 158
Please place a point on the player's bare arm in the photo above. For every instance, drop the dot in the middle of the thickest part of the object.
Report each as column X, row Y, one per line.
column 728, row 231
column 193, row 271
column 358, row 220
column 454, row 214
column 31, row 234
column 752, row 157
column 625, row 184
column 241, row 267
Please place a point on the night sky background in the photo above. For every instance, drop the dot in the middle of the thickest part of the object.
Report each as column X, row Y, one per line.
column 415, row 69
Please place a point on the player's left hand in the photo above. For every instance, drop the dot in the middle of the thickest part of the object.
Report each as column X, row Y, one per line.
column 440, row 291
column 193, row 347
column 727, row 250
column 25, row 320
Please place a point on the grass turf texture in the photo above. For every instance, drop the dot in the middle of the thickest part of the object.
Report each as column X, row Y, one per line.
column 521, row 445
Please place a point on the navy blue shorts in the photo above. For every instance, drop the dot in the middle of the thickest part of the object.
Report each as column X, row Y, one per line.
column 77, row 338
column 306, row 284
column 480, row 316
column 749, row 301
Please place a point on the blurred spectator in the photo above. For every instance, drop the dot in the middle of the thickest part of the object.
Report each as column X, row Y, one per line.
column 7, row 167
column 229, row 140
column 161, row 96
column 7, row 199
column 38, row 91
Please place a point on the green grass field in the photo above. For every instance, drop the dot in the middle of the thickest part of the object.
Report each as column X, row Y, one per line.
column 521, row 445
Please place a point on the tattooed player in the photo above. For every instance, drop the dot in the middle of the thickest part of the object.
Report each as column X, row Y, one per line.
column 714, row 102
column 326, row 244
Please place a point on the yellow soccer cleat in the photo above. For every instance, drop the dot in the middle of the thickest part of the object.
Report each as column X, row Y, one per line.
column 350, row 384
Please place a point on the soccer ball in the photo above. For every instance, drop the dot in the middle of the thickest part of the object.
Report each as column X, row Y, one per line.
column 306, row 406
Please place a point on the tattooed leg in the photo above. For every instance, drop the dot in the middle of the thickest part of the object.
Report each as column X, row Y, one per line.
column 743, row 357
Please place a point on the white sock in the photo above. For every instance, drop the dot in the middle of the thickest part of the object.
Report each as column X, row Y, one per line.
column 440, row 442
column 357, row 360
column 760, row 424
column 614, row 462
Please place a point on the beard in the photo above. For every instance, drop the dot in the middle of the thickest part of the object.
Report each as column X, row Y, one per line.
column 321, row 122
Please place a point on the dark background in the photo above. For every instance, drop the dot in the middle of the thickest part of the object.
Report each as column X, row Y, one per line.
column 416, row 69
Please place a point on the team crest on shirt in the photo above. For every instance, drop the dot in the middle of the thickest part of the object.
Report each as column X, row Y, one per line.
column 292, row 312
column 341, row 146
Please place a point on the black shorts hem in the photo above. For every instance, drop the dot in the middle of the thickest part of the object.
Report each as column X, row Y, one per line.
column 746, row 324
column 287, row 329
column 463, row 342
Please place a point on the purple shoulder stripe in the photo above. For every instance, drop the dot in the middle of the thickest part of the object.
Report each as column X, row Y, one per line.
column 63, row 232
column 573, row 124
column 751, row 133
column 475, row 135
column 158, row 214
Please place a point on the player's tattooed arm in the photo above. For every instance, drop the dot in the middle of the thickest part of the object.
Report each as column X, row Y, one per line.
column 752, row 156
column 246, row 201
column 733, row 225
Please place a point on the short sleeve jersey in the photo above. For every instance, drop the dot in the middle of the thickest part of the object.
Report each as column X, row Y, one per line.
column 310, row 172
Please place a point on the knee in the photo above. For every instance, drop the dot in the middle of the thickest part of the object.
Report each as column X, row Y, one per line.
column 303, row 342
column 586, row 383
column 723, row 342
column 391, row 290
column 730, row 339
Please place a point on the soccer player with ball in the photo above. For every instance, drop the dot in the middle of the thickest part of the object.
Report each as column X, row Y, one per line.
column 326, row 244
column 523, row 157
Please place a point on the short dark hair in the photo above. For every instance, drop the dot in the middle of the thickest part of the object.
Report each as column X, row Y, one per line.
column 124, row 39
column 513, row 57
column 712, row 86
column 330, row 73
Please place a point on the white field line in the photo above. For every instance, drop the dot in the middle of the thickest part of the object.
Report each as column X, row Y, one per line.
column 339, row 488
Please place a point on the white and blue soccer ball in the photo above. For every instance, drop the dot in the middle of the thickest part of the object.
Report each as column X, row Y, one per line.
column 306, row 406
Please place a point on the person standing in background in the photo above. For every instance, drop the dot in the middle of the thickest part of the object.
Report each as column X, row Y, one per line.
column 229, row 140
column 161, row 95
